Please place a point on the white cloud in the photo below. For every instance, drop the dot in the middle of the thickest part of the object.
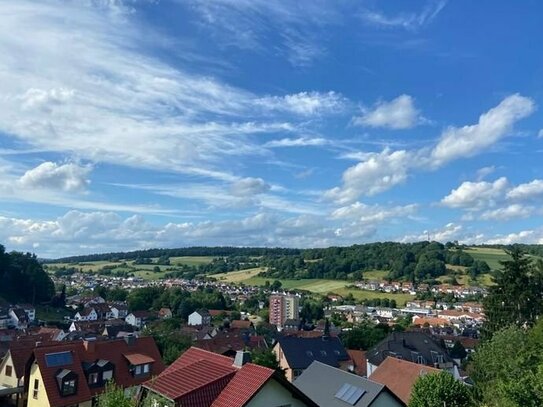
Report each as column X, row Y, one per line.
column 528, row 191
column 377, row 173
column 297, row 142
column 408, row 21
column 476, row 195
column 448, row 233
column 514, row 211
column 82, row 101
column 484, row 172
column 493, row 125
column 524, row 236
column 66, row 177
column 399, row 113
column 248, row 187
column 364, row 213
column 305, row 103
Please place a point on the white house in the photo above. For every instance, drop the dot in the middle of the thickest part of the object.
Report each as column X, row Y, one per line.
column 119, row 311
column 200, row 317
column 138, row 318
column 18, row 318
column 88, row 314
column 29, row 310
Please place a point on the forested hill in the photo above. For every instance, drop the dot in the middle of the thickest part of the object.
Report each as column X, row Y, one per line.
column 22, row 278
column 185, row 251
column 409, row 261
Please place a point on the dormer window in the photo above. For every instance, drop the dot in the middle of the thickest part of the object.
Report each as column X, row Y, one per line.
column 68, row 387
column 67, row 382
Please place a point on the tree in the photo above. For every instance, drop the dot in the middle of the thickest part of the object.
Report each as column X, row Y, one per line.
column 440, row 390
column 265, row 357
column 113, row 396
column 458, row 351
column 516, row 296
column 508, row 368
column 365, row 335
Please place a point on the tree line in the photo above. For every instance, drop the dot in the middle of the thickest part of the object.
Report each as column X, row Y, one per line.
column 22, row 278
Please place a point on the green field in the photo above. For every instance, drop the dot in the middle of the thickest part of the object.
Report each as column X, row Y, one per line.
column 239, row 276
column 323, row 286
column 144, row 271
column 491, row 256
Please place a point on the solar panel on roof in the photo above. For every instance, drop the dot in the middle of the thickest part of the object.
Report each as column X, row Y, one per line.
column 58, row 359
column 350, row 394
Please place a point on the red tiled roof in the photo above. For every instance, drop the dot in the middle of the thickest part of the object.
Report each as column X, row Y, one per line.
column 194, row 354
column 180, row 382
column 238, row 324
column 138, row 358
column 111, row 351
column 245, row 384
column 400, row 376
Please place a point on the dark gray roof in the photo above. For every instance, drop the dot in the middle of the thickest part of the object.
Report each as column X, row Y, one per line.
column 301, row 352
column 322, row 382
column 408, row 346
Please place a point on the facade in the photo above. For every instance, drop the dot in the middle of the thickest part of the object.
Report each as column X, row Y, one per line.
column 88, row 314
column 119, row 311
column 205, row 379
column 283, row 308
column 297, row 354
column 73, row 373
column 199, row 317
column 331, row 387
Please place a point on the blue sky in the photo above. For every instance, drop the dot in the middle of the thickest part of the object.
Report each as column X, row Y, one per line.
column 129, row 124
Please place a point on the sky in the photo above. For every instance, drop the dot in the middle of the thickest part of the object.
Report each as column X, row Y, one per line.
column 129, row 124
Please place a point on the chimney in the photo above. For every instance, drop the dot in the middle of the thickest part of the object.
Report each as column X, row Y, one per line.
column 130, row 339
column 242, row 357
column 89, row 344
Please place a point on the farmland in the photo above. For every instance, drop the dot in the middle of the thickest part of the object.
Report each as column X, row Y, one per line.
column 318, row 286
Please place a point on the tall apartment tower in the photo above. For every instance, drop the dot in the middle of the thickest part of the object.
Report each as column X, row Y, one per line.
column 283, row 307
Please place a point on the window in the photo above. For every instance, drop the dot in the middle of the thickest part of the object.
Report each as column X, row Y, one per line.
column 146, row 368
column 138, row 370
column 107, row 375
column 8, row 370
column 323, row 353
column 68, row 387
column 36, row 386
column 309, row 353
column 93, row 378
column 420, row 360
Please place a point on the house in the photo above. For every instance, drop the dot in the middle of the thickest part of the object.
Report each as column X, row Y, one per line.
column 296, row 354
column 200, row 317
column 328, row 386
column 29, row 310
column 205, row 379
column 416, row 347
column 139, row 318
column 19, row 319
column 358, row 358
column 119, row 311
column 5, row 319
column 241, row 324
column 118, row 331
column 73, row 373
column 54, row 334
column 103, row 311
column 165, row 313
column 87, row 314
column 12, row 371
column 400, row 376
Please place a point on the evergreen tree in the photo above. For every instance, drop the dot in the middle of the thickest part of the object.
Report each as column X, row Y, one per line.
column 516, row 296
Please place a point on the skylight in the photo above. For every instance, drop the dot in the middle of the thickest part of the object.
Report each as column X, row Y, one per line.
column 58, row 359
column 350, row 394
